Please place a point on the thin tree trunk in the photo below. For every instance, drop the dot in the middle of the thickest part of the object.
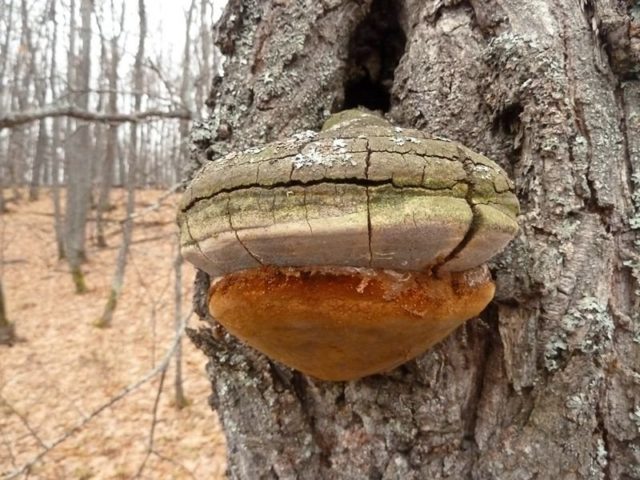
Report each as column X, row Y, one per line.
column 543, row 385
column 58, row 221
column 205, row 40
column 22, row 78
column 4, row 170
column 99, row 129
column 79, row 169
column 7, row 332
column 127, row 226
column 39, row 160
column 42, row 142
column 7, row 329
column 4, row 49
column 3, row 176
column 112, row 137
column 184, row 86
column 122, row 170
column 3, row 202
column 180, row 398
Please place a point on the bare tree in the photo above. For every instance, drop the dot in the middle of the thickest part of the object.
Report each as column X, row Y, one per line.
column 179, row 398
column 55, row 134
column 39, row 68
column 203, row 82
column 4, row 55
column 112, row 134
column 545, row 383
column 23, row 76
column 186, row 82
column 127, row 225
column 31, row 153
column 77, row 151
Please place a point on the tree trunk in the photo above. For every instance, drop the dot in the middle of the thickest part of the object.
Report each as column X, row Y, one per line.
column 4, row 48
column 23, row 75
column 58, row 221
column 39, row 161
column 185, row 83
column 79, row 166
column 112, row 140
column 42, row 142
column 546, row 383
column 180, row 400
column 7, row 332
column 127, row 225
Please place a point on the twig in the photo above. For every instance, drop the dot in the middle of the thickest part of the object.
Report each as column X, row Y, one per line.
column 173, row 462
column 154, row 419
column 8, row 446
column 24, row 421
column 123, row 393
column 167, row 193
column 162, row 78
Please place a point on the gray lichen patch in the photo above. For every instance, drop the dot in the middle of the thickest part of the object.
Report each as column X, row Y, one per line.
column 331, row 159
column 381, row 196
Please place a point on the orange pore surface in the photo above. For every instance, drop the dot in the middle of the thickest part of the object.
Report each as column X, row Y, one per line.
column 342, row 324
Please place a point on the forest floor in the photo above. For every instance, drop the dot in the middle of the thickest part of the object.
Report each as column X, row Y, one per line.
column 64, row 368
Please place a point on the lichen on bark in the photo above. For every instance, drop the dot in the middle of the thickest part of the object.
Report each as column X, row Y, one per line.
column 545, row 384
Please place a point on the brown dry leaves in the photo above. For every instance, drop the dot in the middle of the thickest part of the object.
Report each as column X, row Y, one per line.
column 65, row 367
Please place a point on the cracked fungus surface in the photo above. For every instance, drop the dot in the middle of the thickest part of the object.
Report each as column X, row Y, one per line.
column 360, row 193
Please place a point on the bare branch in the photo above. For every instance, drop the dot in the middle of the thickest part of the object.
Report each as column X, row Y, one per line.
column 174, row 463
column 8, row 447
column 154, row 422
column 15, row 119
column 167, row 193
column 167, row 85
column 24, row 421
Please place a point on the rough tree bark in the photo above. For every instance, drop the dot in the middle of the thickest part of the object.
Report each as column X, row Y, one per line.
column 546, row 383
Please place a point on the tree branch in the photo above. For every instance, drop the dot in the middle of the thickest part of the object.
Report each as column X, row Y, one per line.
column 24, row 421
column 15, row 119
column 154, row 422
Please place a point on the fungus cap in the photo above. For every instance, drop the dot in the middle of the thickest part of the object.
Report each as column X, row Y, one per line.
column 359, row 196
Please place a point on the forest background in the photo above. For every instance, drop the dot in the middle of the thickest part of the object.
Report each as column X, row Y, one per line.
column 97, row 98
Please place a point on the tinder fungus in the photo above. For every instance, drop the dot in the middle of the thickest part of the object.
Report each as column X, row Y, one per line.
column 350, row 251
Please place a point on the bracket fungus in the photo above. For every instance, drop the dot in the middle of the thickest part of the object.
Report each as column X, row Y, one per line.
column 350, row 251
